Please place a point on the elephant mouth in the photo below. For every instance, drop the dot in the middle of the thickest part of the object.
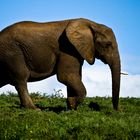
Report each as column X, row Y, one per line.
column 102, row 59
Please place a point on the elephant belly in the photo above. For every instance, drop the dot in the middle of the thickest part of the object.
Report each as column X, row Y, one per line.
column 42, row 67
column 34, row 76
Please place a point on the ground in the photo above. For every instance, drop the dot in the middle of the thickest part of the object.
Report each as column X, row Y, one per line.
column 94, row 119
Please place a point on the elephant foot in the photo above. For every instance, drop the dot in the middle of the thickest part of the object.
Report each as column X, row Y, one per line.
column 32, row 106
column 38, row 109
column 73, row 102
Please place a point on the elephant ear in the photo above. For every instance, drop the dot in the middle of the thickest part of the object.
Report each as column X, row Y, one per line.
column 80, row 36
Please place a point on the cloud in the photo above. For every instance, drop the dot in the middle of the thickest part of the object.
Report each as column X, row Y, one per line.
column 45, row 86
column 97, row 80
column 130, row 86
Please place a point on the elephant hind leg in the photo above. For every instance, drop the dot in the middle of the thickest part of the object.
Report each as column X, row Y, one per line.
column 19, row 75
column 25, row 99
column 20, row 84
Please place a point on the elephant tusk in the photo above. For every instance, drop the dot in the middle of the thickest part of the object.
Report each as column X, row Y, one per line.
column 124, row 73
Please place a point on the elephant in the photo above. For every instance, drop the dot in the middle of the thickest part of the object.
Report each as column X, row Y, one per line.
column 32, row 51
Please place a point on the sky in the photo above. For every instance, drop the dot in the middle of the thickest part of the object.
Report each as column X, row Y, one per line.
column 123, row 16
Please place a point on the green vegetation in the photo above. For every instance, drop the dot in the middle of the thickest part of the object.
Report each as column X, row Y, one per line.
column 54, row 122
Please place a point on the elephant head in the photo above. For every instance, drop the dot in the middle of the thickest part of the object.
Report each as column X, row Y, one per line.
column 94, row 40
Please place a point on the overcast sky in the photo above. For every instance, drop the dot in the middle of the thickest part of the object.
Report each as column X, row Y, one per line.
column 123, row 16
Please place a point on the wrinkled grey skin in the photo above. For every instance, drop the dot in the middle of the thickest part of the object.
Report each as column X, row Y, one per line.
column 31, row 51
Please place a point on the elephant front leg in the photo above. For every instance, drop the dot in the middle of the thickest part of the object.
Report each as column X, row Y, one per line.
column 69, row 73
column 76, row 93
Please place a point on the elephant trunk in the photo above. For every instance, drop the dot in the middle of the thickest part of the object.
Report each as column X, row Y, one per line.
column 115, row 71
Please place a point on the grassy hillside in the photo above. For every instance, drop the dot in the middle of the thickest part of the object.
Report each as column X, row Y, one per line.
column 89, row 122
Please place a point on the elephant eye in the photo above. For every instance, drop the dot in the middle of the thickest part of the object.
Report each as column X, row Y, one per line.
column 108, row 44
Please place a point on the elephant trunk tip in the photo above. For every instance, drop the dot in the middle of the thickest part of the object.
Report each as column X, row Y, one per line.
column 115, row 104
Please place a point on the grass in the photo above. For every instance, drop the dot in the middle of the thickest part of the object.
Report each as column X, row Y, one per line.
column 54, row 122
